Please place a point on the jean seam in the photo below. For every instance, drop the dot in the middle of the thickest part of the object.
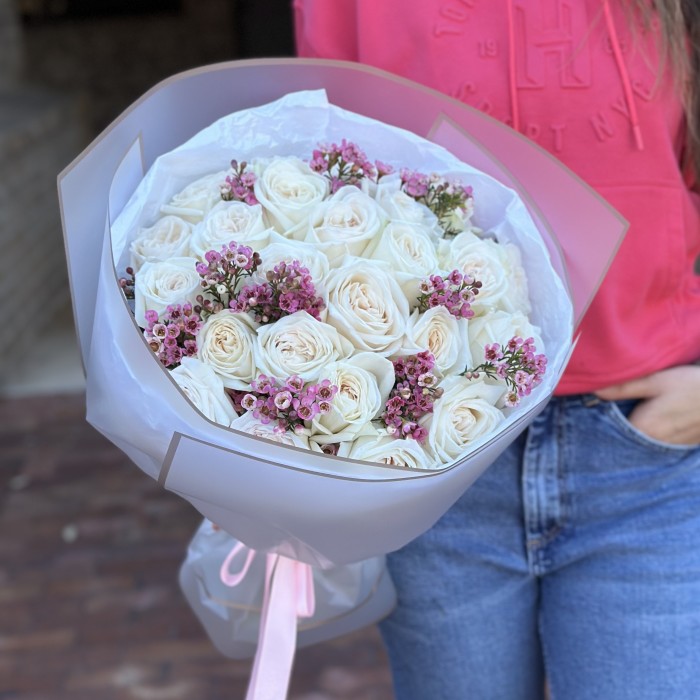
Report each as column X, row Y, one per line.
column 543, row 647
column 561, row 470
column 553, row 532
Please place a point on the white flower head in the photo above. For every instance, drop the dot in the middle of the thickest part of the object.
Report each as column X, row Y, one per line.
column 345, row 223
column 197, row 199
column 364, row 383
column 204, row 389
column 168, row 238
column 409, row 249
column 226, row 222
column 401, row 207
column 225, row 343
column 499, row 327
column 281, row 249
column 493, row 264
column 465, row 412
column 299, row 345
column 288, row 190
column 444, row 336
column 159, row 284
column 366, row 304
column 386, row 449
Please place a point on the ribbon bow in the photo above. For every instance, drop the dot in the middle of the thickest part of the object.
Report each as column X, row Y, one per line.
column 288, row 596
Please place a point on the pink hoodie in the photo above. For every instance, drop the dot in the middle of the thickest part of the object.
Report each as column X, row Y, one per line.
column 572, row 76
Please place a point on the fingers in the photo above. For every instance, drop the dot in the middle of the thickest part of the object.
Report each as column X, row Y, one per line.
column 642, row 388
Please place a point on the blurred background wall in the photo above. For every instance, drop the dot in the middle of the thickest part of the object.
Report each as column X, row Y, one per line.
column 67, row 69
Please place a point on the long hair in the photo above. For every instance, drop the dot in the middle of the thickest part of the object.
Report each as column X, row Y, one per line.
column 680, row 23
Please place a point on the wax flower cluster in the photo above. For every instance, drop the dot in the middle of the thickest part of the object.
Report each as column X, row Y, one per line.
column 415, row 390
column 239, row 186
column 174, row 336
column 516, row 363
column 222, row 275
column 346, row 164
column 289, row 288
column 288, row 403
column 455, row 292
column 441, row 195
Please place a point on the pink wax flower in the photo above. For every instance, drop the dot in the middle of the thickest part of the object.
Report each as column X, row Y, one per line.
column 289, row 403
column 455, row 292
column 223, row 274
column 344, row 164
column 239, row 185
column 442, row 196
column 289, row 288
column 516, row 363
column 174, row 336
column 412, row 397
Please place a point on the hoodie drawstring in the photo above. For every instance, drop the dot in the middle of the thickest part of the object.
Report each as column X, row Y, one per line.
column 619, row 61
column 514, row 106
column 626, row 85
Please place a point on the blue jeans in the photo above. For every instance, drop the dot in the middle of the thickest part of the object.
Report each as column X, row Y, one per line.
column 576, row 556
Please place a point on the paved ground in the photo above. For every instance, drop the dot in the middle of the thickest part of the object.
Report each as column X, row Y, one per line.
column 89, row 604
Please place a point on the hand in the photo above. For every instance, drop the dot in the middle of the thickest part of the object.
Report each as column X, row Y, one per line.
column 670, row 411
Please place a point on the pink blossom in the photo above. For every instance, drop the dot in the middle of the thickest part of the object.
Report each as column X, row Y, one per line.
column 289, row 288
column 455, row 293
column 412, row 397
column 516, row 364
column 290, row 403
column 283, row 400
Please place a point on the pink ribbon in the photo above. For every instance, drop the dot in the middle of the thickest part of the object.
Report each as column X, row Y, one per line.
column 288, row 596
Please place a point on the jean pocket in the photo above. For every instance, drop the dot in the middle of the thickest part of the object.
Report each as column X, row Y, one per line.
column 619, row 412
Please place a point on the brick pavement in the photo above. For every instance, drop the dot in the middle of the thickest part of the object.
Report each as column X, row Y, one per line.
column 89, row 604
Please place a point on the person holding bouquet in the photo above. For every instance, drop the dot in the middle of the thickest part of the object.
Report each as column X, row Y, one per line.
column 576, row 556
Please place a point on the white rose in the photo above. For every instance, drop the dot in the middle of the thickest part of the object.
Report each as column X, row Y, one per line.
column 465, row 412
column 168, row 238
column 250, row 425
column 159, row 284
column 281, row 249
column 205, row 390
column 410, row 250
column 225, row 342
column 345, row 223
column 388, row 450
column 444, row 336
column 298, row 344
column 226, row 222
column 500, row 327
column 491, row 264
column 401, row 207
column 288, row 190
column 366, row 304
column 364, row 383
column 197, row 199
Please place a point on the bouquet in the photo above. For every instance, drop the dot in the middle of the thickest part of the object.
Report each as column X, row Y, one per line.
column 321, row 487
column 338, row 304
column 315, row 507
